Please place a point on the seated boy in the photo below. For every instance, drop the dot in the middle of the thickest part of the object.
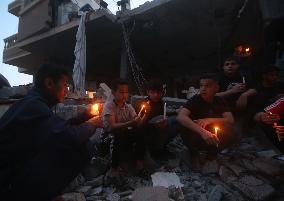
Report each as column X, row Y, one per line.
column 158, row 130
column 235, row 87
column 269, row 89
column 201, row 116
column 273, row 122
column 121, row 120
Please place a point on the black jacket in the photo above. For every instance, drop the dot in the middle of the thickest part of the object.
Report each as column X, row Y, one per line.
column 30, row 126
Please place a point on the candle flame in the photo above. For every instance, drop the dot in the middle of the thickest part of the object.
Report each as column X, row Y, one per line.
column 216, row 130
column 247, row 49
column 95, row 109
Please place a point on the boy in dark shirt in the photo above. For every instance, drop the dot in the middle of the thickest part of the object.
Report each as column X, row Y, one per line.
column 235, row 87
column 202, row 115
column 269, row 89
column 272, row 122
column 159, row 130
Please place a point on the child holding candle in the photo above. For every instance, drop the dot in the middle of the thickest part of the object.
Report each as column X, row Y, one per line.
column 268, row 90
column 272, row 122
column 159, row 126
column 199, row 117
column 235, row 87
column 121, row 121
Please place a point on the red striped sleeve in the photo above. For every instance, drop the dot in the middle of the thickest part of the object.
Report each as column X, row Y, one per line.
column 277, row 107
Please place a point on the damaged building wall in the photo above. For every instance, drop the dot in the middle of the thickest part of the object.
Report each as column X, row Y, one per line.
column 34, row 19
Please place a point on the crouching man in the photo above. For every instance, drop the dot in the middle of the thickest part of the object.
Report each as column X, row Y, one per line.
column 207, row 121
column 40, row 152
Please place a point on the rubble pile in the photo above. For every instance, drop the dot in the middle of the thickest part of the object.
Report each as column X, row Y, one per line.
column 244, row 172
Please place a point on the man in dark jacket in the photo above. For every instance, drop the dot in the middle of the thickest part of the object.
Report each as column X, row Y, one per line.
column 40, row 153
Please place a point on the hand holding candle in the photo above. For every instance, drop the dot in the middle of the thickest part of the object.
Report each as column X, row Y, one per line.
column 275, row 126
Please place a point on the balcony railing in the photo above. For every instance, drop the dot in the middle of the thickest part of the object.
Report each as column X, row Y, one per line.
column 10, row 41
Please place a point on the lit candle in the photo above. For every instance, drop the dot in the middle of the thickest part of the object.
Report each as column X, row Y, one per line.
column 143, row 106
column 244, row 80
column 274, row 126
column 216, row 131
column 165, row 110
column 95, row 109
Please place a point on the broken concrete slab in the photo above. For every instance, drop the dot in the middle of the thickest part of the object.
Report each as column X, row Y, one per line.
column 166, row 179
column 248, row 165
column 73, row 197
column 95, row 191
column 266, row 154
column 176, row 193
column 151, row 194
column 98, row 181
column 268, row 167
column 235, row 168
column 216, row 193
column 226, row 175
column 83, row 189
column 210, row 167
column 253, row 188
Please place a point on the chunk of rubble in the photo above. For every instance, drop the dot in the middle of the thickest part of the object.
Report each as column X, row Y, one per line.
column 76, row 183
column 268, row 167
column 253, row 188
column 248, row 165
column 83, row 189
column 95, row 191
column 216, row 193
column 176, row 193
column 226, row 175
column 157, row 193
column 266, row 154
column 98, row 181
column 73, row 197
column 235, row 168
column 210, row 167
column 166, row 179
